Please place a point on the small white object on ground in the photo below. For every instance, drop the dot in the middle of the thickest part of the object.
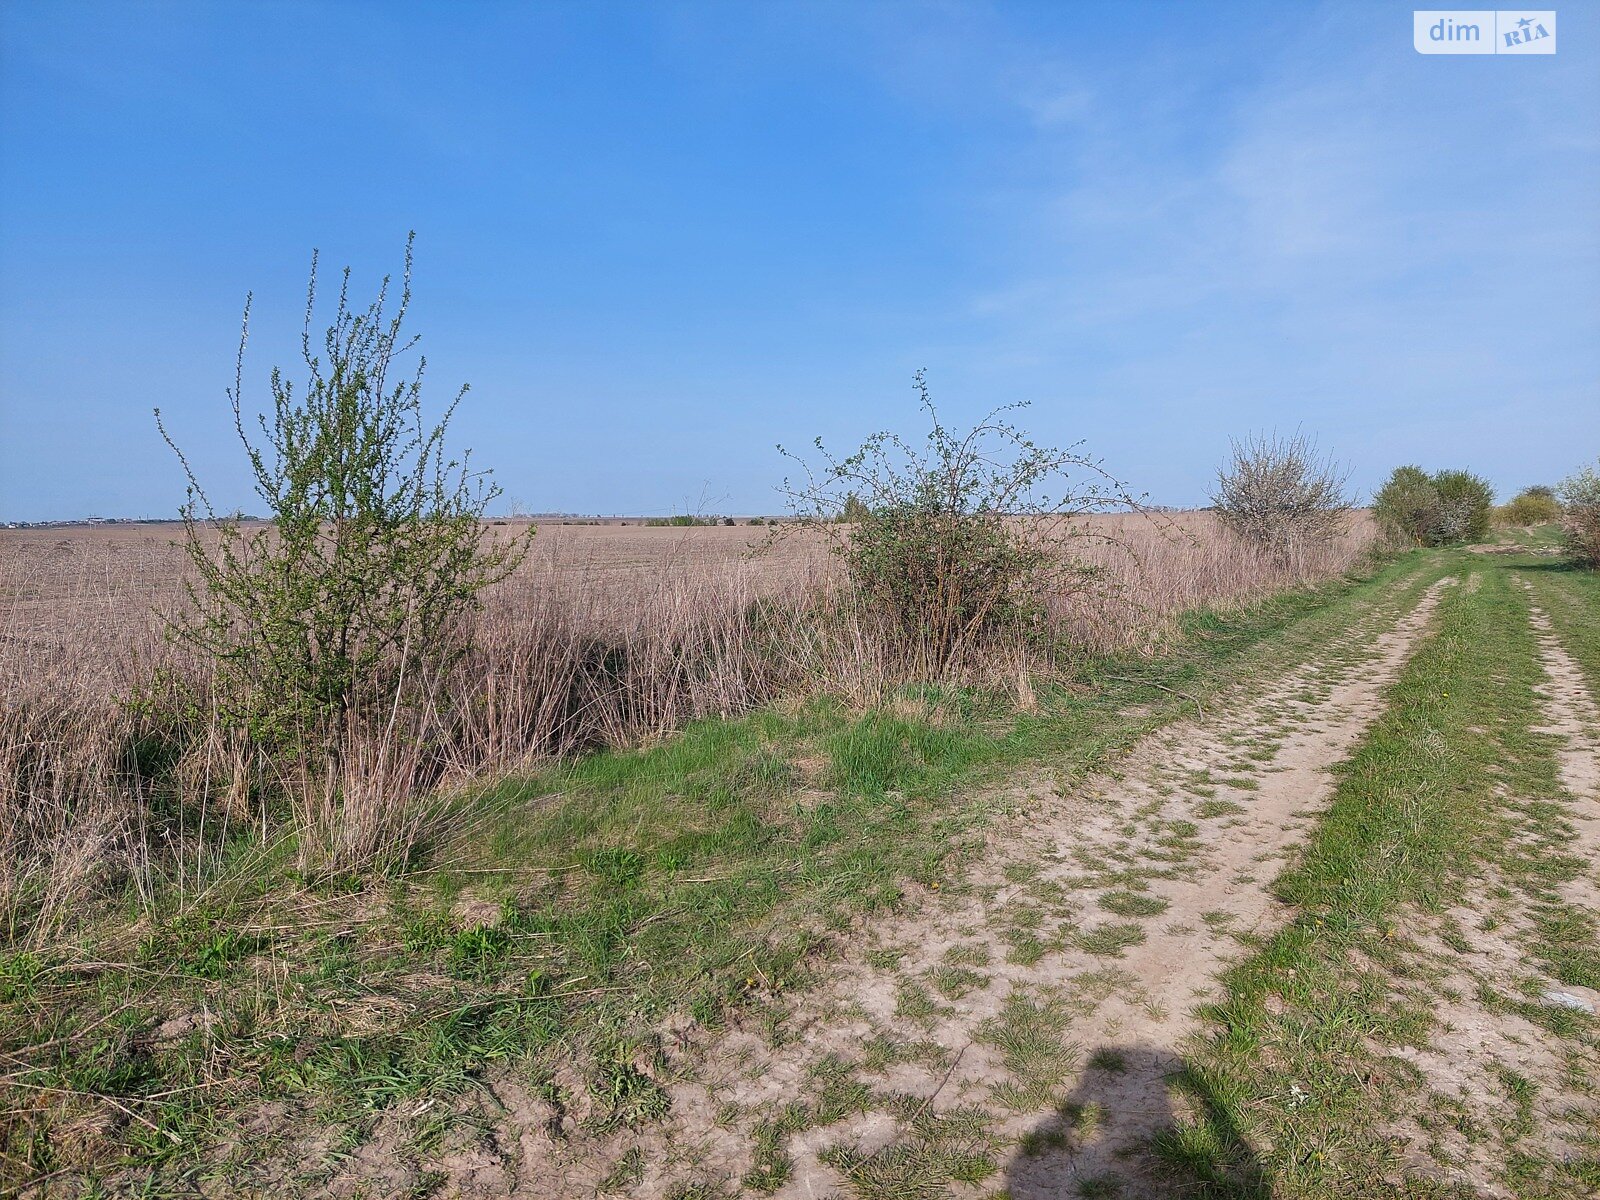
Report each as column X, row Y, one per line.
column 1567, row 1000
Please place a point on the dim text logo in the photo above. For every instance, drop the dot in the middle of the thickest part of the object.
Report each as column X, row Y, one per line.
column 1484, row 31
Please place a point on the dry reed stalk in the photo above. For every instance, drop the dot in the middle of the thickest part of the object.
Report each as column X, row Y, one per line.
column 605, row 637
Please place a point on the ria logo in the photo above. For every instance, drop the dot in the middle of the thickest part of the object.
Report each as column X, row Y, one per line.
column 1529, row 30
column 1484, row 31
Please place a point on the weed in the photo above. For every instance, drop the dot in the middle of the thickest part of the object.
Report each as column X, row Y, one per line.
column 1109, row 941
column 1031, row 1037
column 627, row 1172
column 630, row 1096
column 1107, row 1059
column 955, row 982
column 1133, row 904
column 478, row 950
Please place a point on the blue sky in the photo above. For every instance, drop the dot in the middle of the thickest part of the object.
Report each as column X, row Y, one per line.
column 659, row 238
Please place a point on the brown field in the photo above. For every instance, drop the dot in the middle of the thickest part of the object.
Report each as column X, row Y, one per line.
column 103, row 588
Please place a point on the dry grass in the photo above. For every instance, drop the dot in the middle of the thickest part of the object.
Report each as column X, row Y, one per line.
column 1156, row 568
column 607, row 636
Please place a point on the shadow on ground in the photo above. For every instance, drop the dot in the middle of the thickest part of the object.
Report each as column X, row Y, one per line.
column 1561, row 566
column 1119, row 1135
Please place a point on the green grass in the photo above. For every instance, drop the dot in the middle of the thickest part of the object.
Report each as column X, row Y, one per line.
column 1133, row 904
column 707, row 874
column 955, row 982
column 1109, row 941
column 940, row 1148
column 1031, row 1035
column 1107, row 1059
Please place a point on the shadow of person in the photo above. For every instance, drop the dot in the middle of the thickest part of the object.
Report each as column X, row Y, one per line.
column 1118, row 1135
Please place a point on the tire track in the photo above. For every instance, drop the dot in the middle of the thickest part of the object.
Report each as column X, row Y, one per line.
column 1571, row 714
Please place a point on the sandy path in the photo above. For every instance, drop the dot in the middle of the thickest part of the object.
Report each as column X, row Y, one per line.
column 1572, row 716
column 1057, row 982
column 1570, row 713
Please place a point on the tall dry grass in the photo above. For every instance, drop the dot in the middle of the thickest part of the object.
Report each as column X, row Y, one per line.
column 1154, row 568
column 112, row 764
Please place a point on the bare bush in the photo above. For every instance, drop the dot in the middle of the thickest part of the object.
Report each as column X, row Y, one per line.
column 1281, row 495
column 1580, row 517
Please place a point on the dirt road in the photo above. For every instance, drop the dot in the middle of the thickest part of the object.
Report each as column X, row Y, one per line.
column 1069, row 964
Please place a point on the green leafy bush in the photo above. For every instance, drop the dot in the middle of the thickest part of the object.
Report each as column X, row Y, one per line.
column 1532, row 506
column 1403, row 505
column 958, row 538
column 1446, row 508
column 353, row 598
